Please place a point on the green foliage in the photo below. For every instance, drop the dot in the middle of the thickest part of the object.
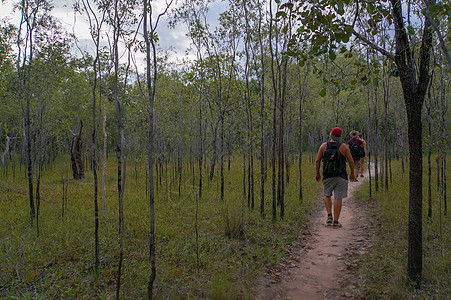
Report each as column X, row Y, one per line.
column 384, row 267
column 7, row 35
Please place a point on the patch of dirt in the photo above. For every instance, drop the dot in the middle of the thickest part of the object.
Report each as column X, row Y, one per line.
column 325, row 264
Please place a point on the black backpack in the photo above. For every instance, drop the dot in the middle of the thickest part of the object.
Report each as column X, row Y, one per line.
column 356, row 150
column 332, row 160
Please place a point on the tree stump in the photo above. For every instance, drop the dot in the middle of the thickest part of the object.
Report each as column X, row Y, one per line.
column 76, row 155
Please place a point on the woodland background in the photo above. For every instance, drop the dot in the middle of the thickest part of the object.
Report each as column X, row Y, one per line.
column 187, row 177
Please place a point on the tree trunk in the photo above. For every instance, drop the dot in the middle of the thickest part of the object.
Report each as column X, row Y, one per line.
column 244, row 178
column 415, row 251
column 76, row 155
column 262, row 117
column 429, row 121
column 119, row 147
column 200, row 146
column 215, row 151
column 105, row 145
column 414, row 89
column 375, row 141
column 222, row 158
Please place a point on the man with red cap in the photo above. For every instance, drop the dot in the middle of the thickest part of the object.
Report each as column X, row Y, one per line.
column 334, row 154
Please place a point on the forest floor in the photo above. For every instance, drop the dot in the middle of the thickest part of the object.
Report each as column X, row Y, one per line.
column 324, row 264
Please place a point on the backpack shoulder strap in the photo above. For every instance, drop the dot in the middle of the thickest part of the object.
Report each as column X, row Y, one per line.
column 333, row 145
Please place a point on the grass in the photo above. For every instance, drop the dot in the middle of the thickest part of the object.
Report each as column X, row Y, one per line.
column 385, row 268
column 235, row 244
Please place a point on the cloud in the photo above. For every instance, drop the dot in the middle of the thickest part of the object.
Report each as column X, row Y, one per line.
column 172, row 40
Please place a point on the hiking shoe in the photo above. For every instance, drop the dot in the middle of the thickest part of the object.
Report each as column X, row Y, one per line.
column 329, row 220
column 337, row 224
column 361, row 175
column 355, row 179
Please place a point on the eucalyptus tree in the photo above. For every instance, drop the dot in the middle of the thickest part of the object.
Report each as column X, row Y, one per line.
column 150, row 38
column 428, row 106
column 278, row 43
column 303, row 86
column 435, row 14
column 193, row 14
column 104, row 131
column 387, row 86
column 247, row 95
column 43, row 47
column 261, row 79
column 47, row 71
column 30, row 16
column 220, row 66
column 96, row 19
column 255, row 46
column 8, row 33
column 329, row 23
column 223, row 58
column 121, row 16
column 443, row 124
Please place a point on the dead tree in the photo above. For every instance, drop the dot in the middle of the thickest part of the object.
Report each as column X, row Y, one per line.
column 76, row 155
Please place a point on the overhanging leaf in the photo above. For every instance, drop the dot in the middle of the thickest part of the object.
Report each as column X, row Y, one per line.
column 332, row 55
column 340, row 9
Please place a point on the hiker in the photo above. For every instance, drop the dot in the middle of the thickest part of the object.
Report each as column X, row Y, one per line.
column 362, row 159
column 357, row 150
column 334, row 155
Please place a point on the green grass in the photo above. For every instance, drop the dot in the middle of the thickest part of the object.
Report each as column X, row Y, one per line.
column 235, row 243
column 385, row 268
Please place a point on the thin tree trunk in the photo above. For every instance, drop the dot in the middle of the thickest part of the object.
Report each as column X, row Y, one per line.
column 222, row 158
column 244, row 178
column 429, row 121
column 105, row 145
column 262, row 117
column 369, row 137
column 119, row 149
column 200, row 146
column 151, row 89
column 274, row 128
column 214, row 158
column 376, row 141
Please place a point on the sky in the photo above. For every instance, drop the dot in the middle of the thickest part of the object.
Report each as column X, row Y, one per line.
column 173, row 39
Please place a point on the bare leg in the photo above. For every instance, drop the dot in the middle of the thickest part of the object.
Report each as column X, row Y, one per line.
column 337, row 208
column 328, row 204
column 362, row 164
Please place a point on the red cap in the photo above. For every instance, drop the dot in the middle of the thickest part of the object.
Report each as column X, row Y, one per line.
column 336, row 133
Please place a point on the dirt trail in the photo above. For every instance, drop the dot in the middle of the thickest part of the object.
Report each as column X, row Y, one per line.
column 323, row 267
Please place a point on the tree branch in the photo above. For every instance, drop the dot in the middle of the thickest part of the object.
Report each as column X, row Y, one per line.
column 425, row 49
column 373, row 45
column 439, row 34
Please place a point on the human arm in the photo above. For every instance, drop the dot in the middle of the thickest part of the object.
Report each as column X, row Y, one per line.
column 347, row 154
column 319, row 156
column 364, row 148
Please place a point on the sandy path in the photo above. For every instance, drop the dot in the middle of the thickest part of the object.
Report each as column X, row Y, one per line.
column 323, row 267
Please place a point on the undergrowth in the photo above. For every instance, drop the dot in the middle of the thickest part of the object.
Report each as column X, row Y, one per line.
column 234, row 243
column 385, row 267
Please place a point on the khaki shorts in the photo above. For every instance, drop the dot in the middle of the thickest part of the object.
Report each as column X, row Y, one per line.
column 336, row 184
column 356, row 163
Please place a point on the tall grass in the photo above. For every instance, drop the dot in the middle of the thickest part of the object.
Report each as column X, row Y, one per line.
column 385, row 267
column 234, row 243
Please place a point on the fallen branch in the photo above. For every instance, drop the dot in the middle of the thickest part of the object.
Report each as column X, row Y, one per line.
column 12, row 189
